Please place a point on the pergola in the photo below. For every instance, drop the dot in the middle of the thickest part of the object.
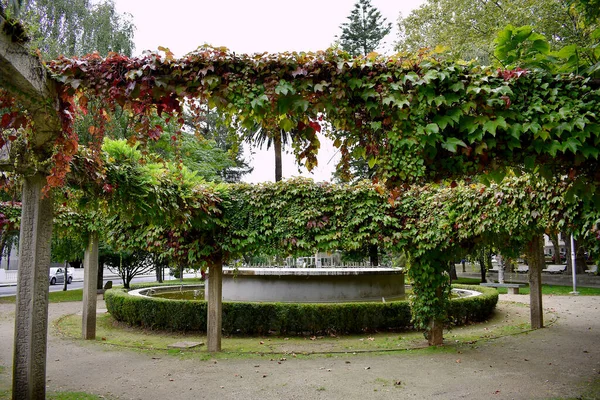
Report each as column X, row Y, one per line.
column 418, row 121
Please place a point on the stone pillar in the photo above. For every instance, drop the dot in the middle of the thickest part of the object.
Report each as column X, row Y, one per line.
column 535, row 257
column 31, row 322
column 215, row 309
column 90, row 291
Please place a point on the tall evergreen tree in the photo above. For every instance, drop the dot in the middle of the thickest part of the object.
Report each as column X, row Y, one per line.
column 361, row 35
column 365, row 29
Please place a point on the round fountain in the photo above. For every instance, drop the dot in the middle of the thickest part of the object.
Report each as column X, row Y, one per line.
column 297, row 300
column 312, row 285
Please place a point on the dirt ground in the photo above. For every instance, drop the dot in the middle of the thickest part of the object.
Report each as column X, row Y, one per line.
column 560, row 361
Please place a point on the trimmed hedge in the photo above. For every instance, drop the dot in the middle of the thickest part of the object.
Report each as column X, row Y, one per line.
column 260, row 318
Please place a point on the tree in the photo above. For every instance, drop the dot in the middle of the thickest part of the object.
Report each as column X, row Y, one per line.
column 467, row 28
column 128, row 264
column 364, row 30
column 224, row 138
column 77, row 27
column 278, row 140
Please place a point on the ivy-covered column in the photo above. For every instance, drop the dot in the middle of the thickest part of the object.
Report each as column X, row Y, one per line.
column 431, row 288
column 535, row 257
column 215, row 301
column 31, row 324
column 90, row 296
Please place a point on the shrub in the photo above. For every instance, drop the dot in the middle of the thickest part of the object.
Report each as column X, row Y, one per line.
column 284, row 318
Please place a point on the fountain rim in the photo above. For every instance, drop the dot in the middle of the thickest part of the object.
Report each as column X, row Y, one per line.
column 143, row 292
column 327, row 271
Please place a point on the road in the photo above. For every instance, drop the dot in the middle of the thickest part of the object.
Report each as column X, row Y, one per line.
column 12, row 290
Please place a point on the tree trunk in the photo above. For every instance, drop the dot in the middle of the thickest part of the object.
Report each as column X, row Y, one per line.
column 158, row 268
column 535, row 255
column 65, row 274
column 556, row 247
column 482, row 266
column 483, row 270
column 278, row 149
column 3, row 240
column 435, row 333
column 452, row 271
column 158, row 271
column 100, row 275
column 567, row 240
column 373, row 255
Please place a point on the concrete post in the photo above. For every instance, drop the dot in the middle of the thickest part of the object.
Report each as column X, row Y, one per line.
column 215, row 309
column 90, row 291
column 31, row 322
column 535, row 258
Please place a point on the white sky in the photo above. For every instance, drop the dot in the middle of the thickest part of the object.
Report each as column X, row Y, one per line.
column 250, row 26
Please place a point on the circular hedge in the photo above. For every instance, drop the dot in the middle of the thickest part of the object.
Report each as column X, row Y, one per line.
column 283, row 318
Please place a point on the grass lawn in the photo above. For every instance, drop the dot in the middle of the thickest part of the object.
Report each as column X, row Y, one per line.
column 54, row 297
column 510, row 318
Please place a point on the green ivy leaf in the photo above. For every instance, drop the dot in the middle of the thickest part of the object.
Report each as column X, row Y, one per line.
column 450, row 144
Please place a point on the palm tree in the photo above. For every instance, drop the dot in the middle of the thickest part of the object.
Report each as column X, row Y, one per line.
column 278, row 139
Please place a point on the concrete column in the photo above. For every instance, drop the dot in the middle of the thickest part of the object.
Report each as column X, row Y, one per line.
column 215, row 309
column 535, row 258
column 501, row 263
column 90, row 291
column 31, row 322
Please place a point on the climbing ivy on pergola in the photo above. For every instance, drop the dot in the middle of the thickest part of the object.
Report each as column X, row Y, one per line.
column 417, row 119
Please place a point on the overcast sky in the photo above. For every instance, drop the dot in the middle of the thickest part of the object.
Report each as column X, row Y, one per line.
column 250, row 26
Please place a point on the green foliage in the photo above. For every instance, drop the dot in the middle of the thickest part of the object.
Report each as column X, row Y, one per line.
column 522, row 47
column 364, row 30
column 464, row 310
column 414, row 119
column 467, row 28
column 260, row 318
column 77, row 27
column 199, row 155
column 308, row 217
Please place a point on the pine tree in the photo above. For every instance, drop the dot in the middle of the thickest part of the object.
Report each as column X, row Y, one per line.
column 363, row 32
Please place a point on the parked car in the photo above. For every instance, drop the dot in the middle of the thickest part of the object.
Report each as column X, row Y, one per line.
column 57, row 275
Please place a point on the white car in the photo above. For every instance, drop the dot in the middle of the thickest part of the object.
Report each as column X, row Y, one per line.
column 57, row 275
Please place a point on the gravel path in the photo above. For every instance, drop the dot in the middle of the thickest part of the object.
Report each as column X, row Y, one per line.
column 558, row 361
